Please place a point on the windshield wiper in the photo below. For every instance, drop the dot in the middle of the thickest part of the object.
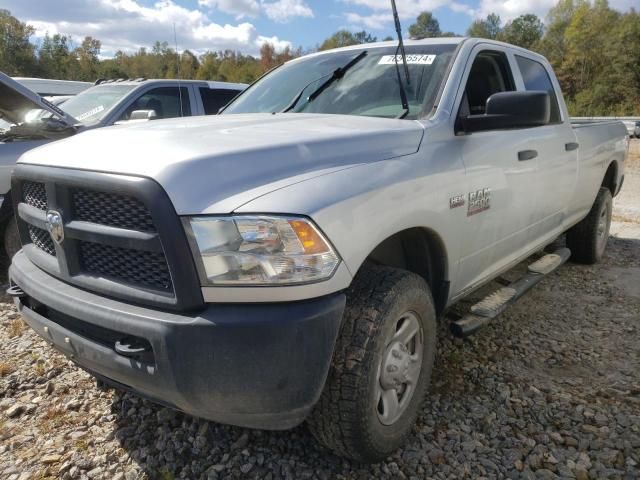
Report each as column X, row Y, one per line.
column 337, row 74
column 403, row 93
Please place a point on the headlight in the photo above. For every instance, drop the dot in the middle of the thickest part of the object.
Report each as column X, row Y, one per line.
column 260, row 250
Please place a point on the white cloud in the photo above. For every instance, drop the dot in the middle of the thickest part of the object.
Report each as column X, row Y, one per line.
column 284, row 10
column 128, row 25
column 375, row 21
column 279, row 10
column 240, row 8
column 510, row 9
column 382, row 16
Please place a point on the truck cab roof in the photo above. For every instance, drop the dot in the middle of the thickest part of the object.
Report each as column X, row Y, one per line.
column 147, row 81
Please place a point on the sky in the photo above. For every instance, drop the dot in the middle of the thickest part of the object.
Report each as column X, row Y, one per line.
column 244, row 25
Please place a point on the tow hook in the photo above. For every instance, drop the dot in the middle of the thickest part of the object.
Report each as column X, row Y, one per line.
column 132, row 347
column 16, row 292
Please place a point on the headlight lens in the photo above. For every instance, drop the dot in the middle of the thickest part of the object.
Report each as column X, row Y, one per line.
column 261, row 250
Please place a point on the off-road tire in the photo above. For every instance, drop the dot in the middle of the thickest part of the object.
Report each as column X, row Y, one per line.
column 11, row 238
column 585, row 239
column 345, row 419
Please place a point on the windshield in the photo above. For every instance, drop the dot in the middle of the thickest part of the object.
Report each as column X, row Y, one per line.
column 93, row 104
column 369, row 88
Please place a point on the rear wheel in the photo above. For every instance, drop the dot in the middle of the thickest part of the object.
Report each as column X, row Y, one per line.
column 381, row 366
column 588, row 239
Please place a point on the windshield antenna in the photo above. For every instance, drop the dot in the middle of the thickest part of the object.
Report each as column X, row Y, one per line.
column 403, row 93
column 175, row 41
column 396, row 19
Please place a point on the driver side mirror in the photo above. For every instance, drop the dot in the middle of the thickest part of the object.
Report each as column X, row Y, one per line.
column 143, row 115
column 139, row 116
column 510, row 110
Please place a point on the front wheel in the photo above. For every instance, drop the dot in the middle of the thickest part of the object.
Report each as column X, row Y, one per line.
column 381, row 366
column 11, row 238
column 587, row 240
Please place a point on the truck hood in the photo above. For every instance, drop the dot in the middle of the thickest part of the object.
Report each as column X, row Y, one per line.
column 16, row 100
column 216, row 164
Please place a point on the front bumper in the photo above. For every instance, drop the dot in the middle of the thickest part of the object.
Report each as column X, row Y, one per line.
column 252, row 365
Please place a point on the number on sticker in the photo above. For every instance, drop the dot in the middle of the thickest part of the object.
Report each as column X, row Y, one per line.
column 411, row 59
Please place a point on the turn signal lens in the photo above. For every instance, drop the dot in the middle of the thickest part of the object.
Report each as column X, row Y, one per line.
column 310, row 239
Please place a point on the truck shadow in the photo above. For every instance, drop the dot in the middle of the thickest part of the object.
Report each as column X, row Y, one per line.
column 164, row 442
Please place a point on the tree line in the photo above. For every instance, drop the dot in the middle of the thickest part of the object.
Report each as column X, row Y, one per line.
column 594, row 50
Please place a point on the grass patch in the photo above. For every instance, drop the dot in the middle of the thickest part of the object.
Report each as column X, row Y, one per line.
column 81, row 445
column 624, row 218
column 165, row 474
column 16, row 327
column 54, row 418
column 6, row 369
column 40, row 368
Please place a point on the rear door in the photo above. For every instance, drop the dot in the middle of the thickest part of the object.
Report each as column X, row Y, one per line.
column 555, row 146
column 213, row 99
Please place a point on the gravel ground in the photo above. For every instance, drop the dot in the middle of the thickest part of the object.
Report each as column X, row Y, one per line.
column 551, row 389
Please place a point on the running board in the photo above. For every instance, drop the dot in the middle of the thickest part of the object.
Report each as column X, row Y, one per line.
column 496, row 303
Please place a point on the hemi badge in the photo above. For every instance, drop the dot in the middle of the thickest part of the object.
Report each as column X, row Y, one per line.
column 456, row 201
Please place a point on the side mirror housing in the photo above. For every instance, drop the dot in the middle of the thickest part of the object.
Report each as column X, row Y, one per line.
column 511, row 110
column 143, row 115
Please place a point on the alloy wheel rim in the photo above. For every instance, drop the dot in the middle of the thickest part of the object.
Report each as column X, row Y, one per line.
column 399, row 368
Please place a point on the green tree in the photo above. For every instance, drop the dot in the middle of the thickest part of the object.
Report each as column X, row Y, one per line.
column 17, row 55
column 344, row 38
column 487, row 28
column 209, row 65
column 552, row 44
column 524, row 31
column 426, row 26
column 55, row 58
column 87, row 56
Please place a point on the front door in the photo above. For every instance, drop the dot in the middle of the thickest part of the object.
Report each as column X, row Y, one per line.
column 500, row 191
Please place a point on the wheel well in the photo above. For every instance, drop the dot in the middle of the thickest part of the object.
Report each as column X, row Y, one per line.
column 420, row 251
column 610, row 177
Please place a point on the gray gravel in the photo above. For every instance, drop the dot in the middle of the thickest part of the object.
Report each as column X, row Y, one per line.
column 550, row 390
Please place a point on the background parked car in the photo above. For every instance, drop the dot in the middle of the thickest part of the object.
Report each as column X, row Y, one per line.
column 107, row 103
column 48, row 87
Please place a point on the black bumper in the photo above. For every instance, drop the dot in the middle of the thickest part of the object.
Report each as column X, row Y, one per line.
column 252, row 365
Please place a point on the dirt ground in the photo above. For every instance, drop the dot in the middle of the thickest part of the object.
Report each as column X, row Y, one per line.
column 550, row 389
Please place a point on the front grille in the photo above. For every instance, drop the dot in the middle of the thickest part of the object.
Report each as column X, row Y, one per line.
column 34, row 194
column 144, row 258
column 41, row 239
column 126, row 265
column 111, row 209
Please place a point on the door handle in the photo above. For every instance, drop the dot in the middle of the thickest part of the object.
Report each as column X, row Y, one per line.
column 527, row 155
column 571, row 146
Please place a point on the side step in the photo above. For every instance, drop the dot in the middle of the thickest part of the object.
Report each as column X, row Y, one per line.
column 496, row 303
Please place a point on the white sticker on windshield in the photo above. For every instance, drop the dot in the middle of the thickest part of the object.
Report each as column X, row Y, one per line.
column 411, row 59
column 91, row 112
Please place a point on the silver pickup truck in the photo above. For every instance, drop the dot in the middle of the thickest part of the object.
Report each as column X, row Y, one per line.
column 108, row 103
column 290, row 259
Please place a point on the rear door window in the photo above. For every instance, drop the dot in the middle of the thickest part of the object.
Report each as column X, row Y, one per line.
column 214, row 99
column 535, row 77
